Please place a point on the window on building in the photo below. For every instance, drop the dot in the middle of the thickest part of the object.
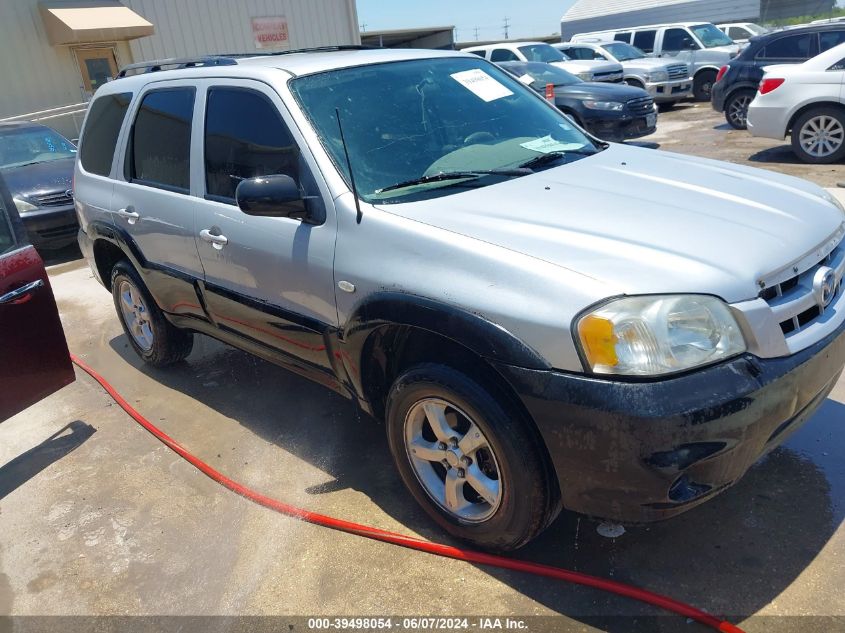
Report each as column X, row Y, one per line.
column 677, row 40
column 503, row 55
column 99, row 138
column 244, row 137
column 644, row 40
column 791, row 47
column 829, row 39
column 160, row 149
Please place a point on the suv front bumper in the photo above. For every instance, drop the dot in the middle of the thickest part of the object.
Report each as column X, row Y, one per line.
column 51, row 227
column 670, row 90
column 645, row 451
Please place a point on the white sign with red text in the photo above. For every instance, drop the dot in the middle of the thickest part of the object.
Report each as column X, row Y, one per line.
column 270, row 32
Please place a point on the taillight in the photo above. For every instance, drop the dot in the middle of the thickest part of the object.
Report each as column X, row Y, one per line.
column 767, row 85
column 721, row 72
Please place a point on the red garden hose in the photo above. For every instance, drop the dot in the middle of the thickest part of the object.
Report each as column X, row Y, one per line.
column 447, row 551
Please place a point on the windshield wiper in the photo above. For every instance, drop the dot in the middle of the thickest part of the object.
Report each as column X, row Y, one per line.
column 550, row 157
column 455, row 175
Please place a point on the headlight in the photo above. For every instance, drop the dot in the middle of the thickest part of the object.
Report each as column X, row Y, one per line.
column 23, row 206
column 659, row 334
column 586, row 76
column 604, row 105
column 659, row 75
column 833, row 200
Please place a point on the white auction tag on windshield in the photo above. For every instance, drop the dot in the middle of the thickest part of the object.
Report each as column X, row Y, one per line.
column 527, row 79
column 547, row 144
column 481, row 84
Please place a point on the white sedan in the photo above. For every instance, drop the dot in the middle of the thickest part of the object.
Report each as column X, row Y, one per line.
column 804, row 100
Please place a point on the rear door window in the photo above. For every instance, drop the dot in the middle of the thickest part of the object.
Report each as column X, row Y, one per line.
column 829, row 39
column 503, row 55
column 102, row 127
column 644, row 40
column 790, row 47
column 623, row 37
column 244, row 137
column 160, row 147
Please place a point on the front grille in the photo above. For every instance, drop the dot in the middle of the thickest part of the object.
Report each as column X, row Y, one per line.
column 794, row 301
column 643, row 105
column 54, row 199
column 681, row 71
column 609, row 76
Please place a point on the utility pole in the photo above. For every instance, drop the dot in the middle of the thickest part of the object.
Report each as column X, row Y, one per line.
column 476, row 33
column 507, row 24
column 364, row 27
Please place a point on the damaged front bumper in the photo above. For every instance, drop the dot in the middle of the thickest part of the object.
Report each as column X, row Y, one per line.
column 645, row 451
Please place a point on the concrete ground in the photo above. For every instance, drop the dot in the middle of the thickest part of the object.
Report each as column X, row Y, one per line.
column 99, row 518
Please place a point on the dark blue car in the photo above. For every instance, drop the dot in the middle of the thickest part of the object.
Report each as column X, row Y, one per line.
column 611, row 112
column 37, row 165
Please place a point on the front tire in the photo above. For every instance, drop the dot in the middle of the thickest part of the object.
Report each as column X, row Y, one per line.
column 702, row 85
column 154, row 338
column 736, row 108
column 471, row 460
column 818, row 136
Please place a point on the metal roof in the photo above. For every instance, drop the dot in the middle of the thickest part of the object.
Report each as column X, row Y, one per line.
column 595, row 8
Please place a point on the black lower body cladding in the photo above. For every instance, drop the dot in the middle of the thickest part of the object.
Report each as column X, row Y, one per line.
column 645, row 451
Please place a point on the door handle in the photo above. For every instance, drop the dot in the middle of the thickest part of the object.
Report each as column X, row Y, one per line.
column 129, row 213
column 217, row 241
column 18, row 295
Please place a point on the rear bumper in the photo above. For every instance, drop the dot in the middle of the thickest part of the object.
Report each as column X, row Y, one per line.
column 51, row 228
column 640, row 452
column 766, row 122
column 86, row 246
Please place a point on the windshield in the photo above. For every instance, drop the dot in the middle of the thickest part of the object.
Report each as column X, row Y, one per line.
column 542, row 53
column 24, row 146
column 411, row 120
column 622, row 51
column 756, row 29
column 538, row 75
column 710, row 36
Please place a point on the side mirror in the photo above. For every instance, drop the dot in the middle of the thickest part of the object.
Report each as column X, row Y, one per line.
column 275, row 196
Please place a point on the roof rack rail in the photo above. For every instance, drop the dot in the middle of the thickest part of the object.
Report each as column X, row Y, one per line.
column 226, row 59
column 174, row 62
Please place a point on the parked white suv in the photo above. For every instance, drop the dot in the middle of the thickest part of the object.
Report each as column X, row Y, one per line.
column 588, row 70
column 700, row 44
column 806, row 102
column 541, row 319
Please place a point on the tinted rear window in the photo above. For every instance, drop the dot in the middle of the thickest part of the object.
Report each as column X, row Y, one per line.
column 161, row 139
column 99, row 138
column 644, row 40
column 792, row 47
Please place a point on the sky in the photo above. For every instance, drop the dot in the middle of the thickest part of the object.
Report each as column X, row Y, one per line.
column 526, row 19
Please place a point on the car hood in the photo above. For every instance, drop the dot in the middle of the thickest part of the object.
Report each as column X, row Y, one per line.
column 40, row 178
column 648, row 64
column 646, row 221
column 593, row 66
column 600, row 90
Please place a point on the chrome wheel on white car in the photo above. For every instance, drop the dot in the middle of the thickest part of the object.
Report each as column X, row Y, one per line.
column 818, row 136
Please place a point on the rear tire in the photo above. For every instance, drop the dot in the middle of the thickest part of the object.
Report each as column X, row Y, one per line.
column 702, row 85
column 448, row 433
column 151, row 335
column 666, row 106
column 736, row 108
column 818, row 136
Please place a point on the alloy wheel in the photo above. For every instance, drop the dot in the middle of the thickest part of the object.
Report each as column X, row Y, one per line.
column 821, row 136
column 453, row 460
column 136, row 315
column 738, row 110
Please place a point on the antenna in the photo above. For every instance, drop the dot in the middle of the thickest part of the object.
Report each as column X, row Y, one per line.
column 349, row 165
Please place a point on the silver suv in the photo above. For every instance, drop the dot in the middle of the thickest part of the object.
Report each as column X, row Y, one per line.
column 542, row 319
column 667, row 81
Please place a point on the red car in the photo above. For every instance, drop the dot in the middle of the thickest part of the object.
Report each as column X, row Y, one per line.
column 34, row 358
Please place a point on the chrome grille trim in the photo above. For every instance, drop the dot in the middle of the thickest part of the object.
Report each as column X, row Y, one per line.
column 53, row 199
column 680, row 71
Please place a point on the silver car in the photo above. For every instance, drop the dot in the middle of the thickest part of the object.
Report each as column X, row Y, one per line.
column 541, row 319
column 667, row 81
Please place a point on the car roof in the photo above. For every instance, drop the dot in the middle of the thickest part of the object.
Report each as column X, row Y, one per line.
column 18, row 125
column 797, row 30
column 501, row 45
column 294, row 63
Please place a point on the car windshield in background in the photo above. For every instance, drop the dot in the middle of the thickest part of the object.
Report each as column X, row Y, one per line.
column 542, row 53
column 710, row 36
column 25, row 146
column 623, row 52
column 541, row 74
column 425, row 128
column 757, row 29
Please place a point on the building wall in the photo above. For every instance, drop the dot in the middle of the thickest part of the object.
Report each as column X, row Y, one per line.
column 36, row 76
column 198, row 27
column 693, row 10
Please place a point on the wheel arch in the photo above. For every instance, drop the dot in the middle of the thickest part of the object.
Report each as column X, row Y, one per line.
column 806, row 107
